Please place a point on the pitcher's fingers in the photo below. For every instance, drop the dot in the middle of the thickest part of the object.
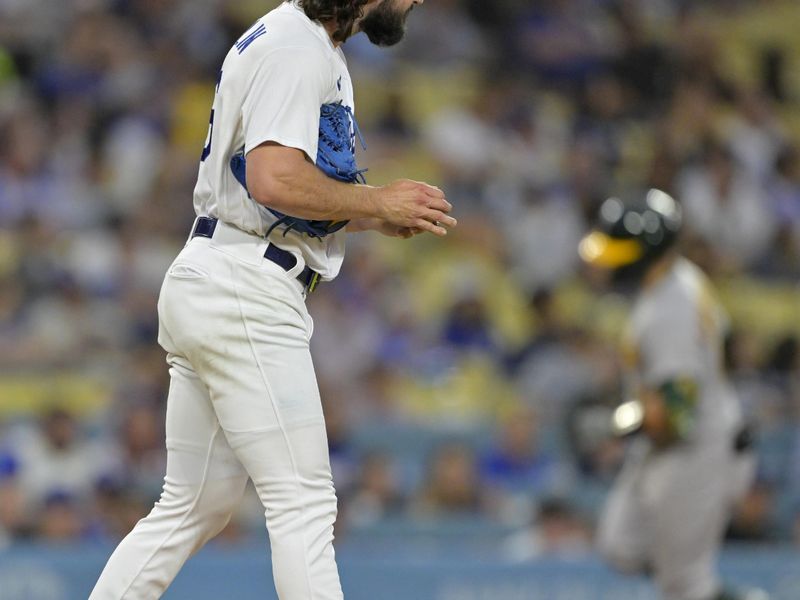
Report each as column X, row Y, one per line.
column 432, row 190
column 440, row 204
column 439, row 218
column 429, row 186
column 430, row 227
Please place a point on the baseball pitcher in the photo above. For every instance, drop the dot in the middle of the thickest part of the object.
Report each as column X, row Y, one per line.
column 278, row 191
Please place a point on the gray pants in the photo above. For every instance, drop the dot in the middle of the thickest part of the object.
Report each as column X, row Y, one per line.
column 668, row 512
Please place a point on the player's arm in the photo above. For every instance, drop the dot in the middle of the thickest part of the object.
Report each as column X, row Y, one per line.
column 665, row 413
column 669, row 355
column 384, row 227
column 669, row 411
column 280, row 119
column 283, row 178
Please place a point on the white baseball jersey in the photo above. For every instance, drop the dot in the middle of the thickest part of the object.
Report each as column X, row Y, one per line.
column 676, row 331
column 271, row 88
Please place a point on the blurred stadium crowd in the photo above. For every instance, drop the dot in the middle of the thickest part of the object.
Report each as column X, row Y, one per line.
column 464, row 380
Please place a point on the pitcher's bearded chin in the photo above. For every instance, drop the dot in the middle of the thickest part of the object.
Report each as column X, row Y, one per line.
column 385, row 25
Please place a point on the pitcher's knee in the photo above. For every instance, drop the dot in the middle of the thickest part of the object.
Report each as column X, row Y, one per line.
column 294, row 505
column 206, row 508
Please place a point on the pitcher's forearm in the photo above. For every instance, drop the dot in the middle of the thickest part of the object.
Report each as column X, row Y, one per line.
column 300, row 189
column 364, row 224
column 284, row 179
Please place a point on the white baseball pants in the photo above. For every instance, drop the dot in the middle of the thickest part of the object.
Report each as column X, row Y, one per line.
column 243, row 403
column 668, row 512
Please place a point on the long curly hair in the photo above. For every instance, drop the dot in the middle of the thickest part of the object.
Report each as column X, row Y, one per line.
column 343, row 12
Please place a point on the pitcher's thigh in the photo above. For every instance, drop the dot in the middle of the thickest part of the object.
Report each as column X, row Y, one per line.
column 197, row 450
column 257, row 365
column 264, row 393
column 272, row 418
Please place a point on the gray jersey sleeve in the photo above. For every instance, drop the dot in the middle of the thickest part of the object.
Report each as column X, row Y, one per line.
column 669, row 341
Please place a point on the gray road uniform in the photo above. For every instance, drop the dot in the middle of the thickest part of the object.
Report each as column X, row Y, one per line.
column 669, row 508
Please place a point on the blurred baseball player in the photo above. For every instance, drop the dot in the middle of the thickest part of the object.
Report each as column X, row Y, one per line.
column 669, row 508
column 278, row 190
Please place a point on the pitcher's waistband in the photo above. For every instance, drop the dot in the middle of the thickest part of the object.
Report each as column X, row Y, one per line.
column 252, row 248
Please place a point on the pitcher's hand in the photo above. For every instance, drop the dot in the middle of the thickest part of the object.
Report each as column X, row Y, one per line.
column 416, row 205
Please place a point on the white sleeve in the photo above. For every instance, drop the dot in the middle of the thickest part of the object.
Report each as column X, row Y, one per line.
column 283, row 102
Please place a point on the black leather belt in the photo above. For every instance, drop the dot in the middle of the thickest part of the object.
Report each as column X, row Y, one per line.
column 205, row 226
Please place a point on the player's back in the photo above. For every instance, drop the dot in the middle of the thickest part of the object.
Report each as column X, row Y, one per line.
column 678, row 328
column 217, row 190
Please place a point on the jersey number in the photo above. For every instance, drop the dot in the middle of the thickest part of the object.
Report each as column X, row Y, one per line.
column 207, row 147
column 255, row 32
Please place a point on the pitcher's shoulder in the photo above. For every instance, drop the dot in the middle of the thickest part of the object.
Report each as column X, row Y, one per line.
column 287, row 26
column 280, row 42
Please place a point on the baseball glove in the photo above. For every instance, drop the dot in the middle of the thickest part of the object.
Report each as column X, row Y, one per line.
column 336, row 157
